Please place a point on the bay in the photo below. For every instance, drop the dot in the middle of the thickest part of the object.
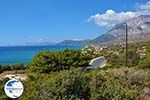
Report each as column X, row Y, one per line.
column 24, row 54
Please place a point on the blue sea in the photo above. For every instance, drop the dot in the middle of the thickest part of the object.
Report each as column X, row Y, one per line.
column 24, row 54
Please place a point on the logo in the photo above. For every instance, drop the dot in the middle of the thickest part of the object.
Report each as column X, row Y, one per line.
column 13, row 88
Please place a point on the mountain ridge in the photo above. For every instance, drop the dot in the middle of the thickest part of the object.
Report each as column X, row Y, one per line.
column 74, row 42
column 138, row 29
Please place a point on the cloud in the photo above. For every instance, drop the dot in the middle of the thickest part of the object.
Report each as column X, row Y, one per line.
column 110, row 17
column 144, row 7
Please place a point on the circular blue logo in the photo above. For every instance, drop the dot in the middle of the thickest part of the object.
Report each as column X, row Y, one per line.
column 13, row 88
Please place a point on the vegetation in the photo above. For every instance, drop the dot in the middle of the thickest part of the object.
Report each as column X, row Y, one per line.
column 138, row 55
column 145, row 63
column 49, row 61
column 11, row 67
column 2, row 94
column 60, row 75
column 110, row 84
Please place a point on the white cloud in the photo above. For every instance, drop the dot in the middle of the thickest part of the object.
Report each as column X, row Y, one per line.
column 145, row 6
column 143, row 9
column 110, row 17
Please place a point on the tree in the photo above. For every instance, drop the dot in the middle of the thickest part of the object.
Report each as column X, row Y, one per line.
column 45, row 62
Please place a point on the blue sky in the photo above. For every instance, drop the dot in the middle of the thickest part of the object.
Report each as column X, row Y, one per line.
column 24, row 21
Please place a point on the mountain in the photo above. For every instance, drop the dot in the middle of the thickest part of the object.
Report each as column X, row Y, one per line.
column 74, row 42
column 104, row 38
column 38, row 44
column 138, row 29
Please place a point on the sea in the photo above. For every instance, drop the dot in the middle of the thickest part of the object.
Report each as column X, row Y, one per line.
column 24, row 54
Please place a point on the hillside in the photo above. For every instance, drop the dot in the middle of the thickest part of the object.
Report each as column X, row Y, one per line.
column 74, row 42
column 138, row 29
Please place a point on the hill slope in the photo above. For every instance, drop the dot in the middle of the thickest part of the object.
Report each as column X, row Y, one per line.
column 74, row 42
column 138, row 29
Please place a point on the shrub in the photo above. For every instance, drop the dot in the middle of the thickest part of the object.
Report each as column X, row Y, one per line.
column 66, row 85
column 110, row 84
column 45, row 62
column 145, row 63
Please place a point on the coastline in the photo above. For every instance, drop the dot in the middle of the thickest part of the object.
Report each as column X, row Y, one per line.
column 23, row 54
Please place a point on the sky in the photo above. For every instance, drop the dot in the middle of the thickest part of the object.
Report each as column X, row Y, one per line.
column 27, row 21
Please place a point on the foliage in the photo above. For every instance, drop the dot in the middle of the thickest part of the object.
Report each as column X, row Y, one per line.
column 116, row 55
column 64, row 85
column 114, row 84
column 2, row 94
column 74, row 84
column 133, row 58
column 45, row 62
column 145, row 63
column 53, row 80
column 12, row 67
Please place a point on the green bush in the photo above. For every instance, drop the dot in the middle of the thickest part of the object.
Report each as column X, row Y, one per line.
column 65, row 85
column 111, row 84
column 12, row 67
column 2, row 94
column 45, row 62
column 145, row 62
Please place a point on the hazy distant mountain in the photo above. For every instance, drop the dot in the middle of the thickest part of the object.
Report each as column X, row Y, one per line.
column 74, row 42
column 41, row 42
column 138, row 29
